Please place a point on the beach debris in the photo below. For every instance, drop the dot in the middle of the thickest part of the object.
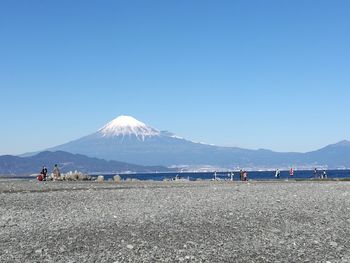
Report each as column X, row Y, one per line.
column 70, row 176
column 100, row 178
column 53, row 177
column 117, row 178
column 75, row 176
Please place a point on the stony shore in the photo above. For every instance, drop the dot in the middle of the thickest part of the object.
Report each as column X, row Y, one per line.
column 174, row 221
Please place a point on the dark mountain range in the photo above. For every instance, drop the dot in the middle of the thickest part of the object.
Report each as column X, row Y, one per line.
column 14, row 165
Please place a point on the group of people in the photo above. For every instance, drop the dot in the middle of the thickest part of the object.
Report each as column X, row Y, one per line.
column 56, row 174
column 243, row 175
column 278, row 173
column 322, row 175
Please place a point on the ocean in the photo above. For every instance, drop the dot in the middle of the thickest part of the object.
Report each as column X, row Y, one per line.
column 252, row 175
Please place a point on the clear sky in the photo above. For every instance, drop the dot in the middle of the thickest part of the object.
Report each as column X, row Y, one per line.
column 254, row 74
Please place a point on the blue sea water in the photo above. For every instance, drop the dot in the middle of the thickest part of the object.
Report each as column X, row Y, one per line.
column 252, row 175
column 193, row 176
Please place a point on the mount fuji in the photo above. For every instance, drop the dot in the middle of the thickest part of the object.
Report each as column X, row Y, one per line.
column 129, row 140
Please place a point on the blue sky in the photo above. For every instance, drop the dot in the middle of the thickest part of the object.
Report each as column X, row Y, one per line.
column 253, row 74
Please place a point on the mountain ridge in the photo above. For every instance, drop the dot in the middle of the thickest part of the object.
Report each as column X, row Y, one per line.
column 15, row 165
column 129, row 140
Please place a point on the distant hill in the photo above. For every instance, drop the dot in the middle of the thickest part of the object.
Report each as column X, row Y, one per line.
column 14, row 165
column 129, row 140
column 334, row 156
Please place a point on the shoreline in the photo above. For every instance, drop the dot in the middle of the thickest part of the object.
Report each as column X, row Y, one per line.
column 222, row 175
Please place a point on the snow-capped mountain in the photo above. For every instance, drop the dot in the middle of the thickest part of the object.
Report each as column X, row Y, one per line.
column 128, row 126
column 129, row 140
column 126, row 138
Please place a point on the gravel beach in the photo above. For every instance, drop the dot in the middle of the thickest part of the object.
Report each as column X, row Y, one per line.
column 174, row 221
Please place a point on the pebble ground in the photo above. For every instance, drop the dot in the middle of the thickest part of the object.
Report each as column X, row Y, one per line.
column 174, row 221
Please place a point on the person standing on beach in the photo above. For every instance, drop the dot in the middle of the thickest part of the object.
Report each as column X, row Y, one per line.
column 291, row 172
column 44, row 172
column 315, row 173
column 245, row 176
column 56, row 172
column 241, row 175
column 324, row 175
column 278, row 173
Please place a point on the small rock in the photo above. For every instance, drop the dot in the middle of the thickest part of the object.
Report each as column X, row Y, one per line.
column 333, row 244
column 130, row 246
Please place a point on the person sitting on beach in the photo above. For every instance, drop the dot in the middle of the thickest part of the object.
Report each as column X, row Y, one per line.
column 44, row 173
column 56, row 173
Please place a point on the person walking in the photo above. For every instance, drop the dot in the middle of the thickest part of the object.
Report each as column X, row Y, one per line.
column 241, row 175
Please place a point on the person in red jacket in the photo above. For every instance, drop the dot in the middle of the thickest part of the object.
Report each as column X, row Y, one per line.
column 291, row 172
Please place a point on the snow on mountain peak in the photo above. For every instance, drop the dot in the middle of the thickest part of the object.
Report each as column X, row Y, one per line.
column 126, row 126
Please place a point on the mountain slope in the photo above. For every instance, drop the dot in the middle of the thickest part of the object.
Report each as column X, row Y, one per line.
column 67, row 162
column 141, row 144
column 129, row 140
column 334, row 155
